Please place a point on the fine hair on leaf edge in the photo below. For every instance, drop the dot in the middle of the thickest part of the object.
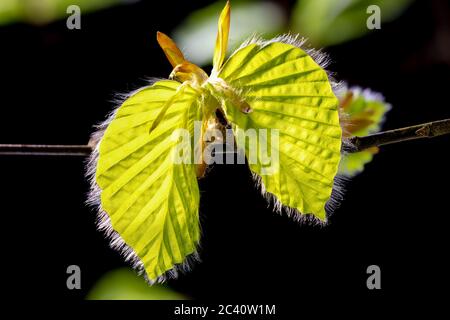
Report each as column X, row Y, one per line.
column 103, row 222
column 117, row 242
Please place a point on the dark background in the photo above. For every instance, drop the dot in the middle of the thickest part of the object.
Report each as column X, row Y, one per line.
column 57, row 83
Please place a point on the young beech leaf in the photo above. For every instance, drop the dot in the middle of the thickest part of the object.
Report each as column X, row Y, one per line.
column 287, row 90
column 363, row 111
column 149, row 203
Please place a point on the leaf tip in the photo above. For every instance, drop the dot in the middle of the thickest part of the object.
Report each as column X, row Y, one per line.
column 173, row 54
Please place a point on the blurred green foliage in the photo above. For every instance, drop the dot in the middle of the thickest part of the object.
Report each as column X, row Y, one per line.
column 45, row 11
column 329, row 22
column 197, row 34
column 323, row 22
column 125, row 284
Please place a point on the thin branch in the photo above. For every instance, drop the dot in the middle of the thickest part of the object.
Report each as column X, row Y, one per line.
column 421, row 131
column 44, row 150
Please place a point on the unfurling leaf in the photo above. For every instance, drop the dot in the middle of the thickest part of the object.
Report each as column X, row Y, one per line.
column 363, row 111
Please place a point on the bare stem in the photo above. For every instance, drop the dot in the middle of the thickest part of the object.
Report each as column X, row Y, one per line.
column 425, row 130
column 45, row 150
column 420, row 131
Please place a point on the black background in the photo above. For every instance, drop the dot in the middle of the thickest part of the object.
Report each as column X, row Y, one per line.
column 57, row 83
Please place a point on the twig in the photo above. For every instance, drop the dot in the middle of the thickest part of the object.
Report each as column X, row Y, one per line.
column 425, row 130
column 420, row 131
column 45, row 150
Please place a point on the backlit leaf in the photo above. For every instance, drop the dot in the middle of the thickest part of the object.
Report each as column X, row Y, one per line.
column 222, row 37
column 150, row 201
column 287, row 90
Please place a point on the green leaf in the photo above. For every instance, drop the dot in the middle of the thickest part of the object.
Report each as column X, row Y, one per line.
column 197, row 33
column 329, row 22
column 365, row 106
column 151, row 201
column 365, row 111
column 353, row 163
column 124, row 284
column 287, row 90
